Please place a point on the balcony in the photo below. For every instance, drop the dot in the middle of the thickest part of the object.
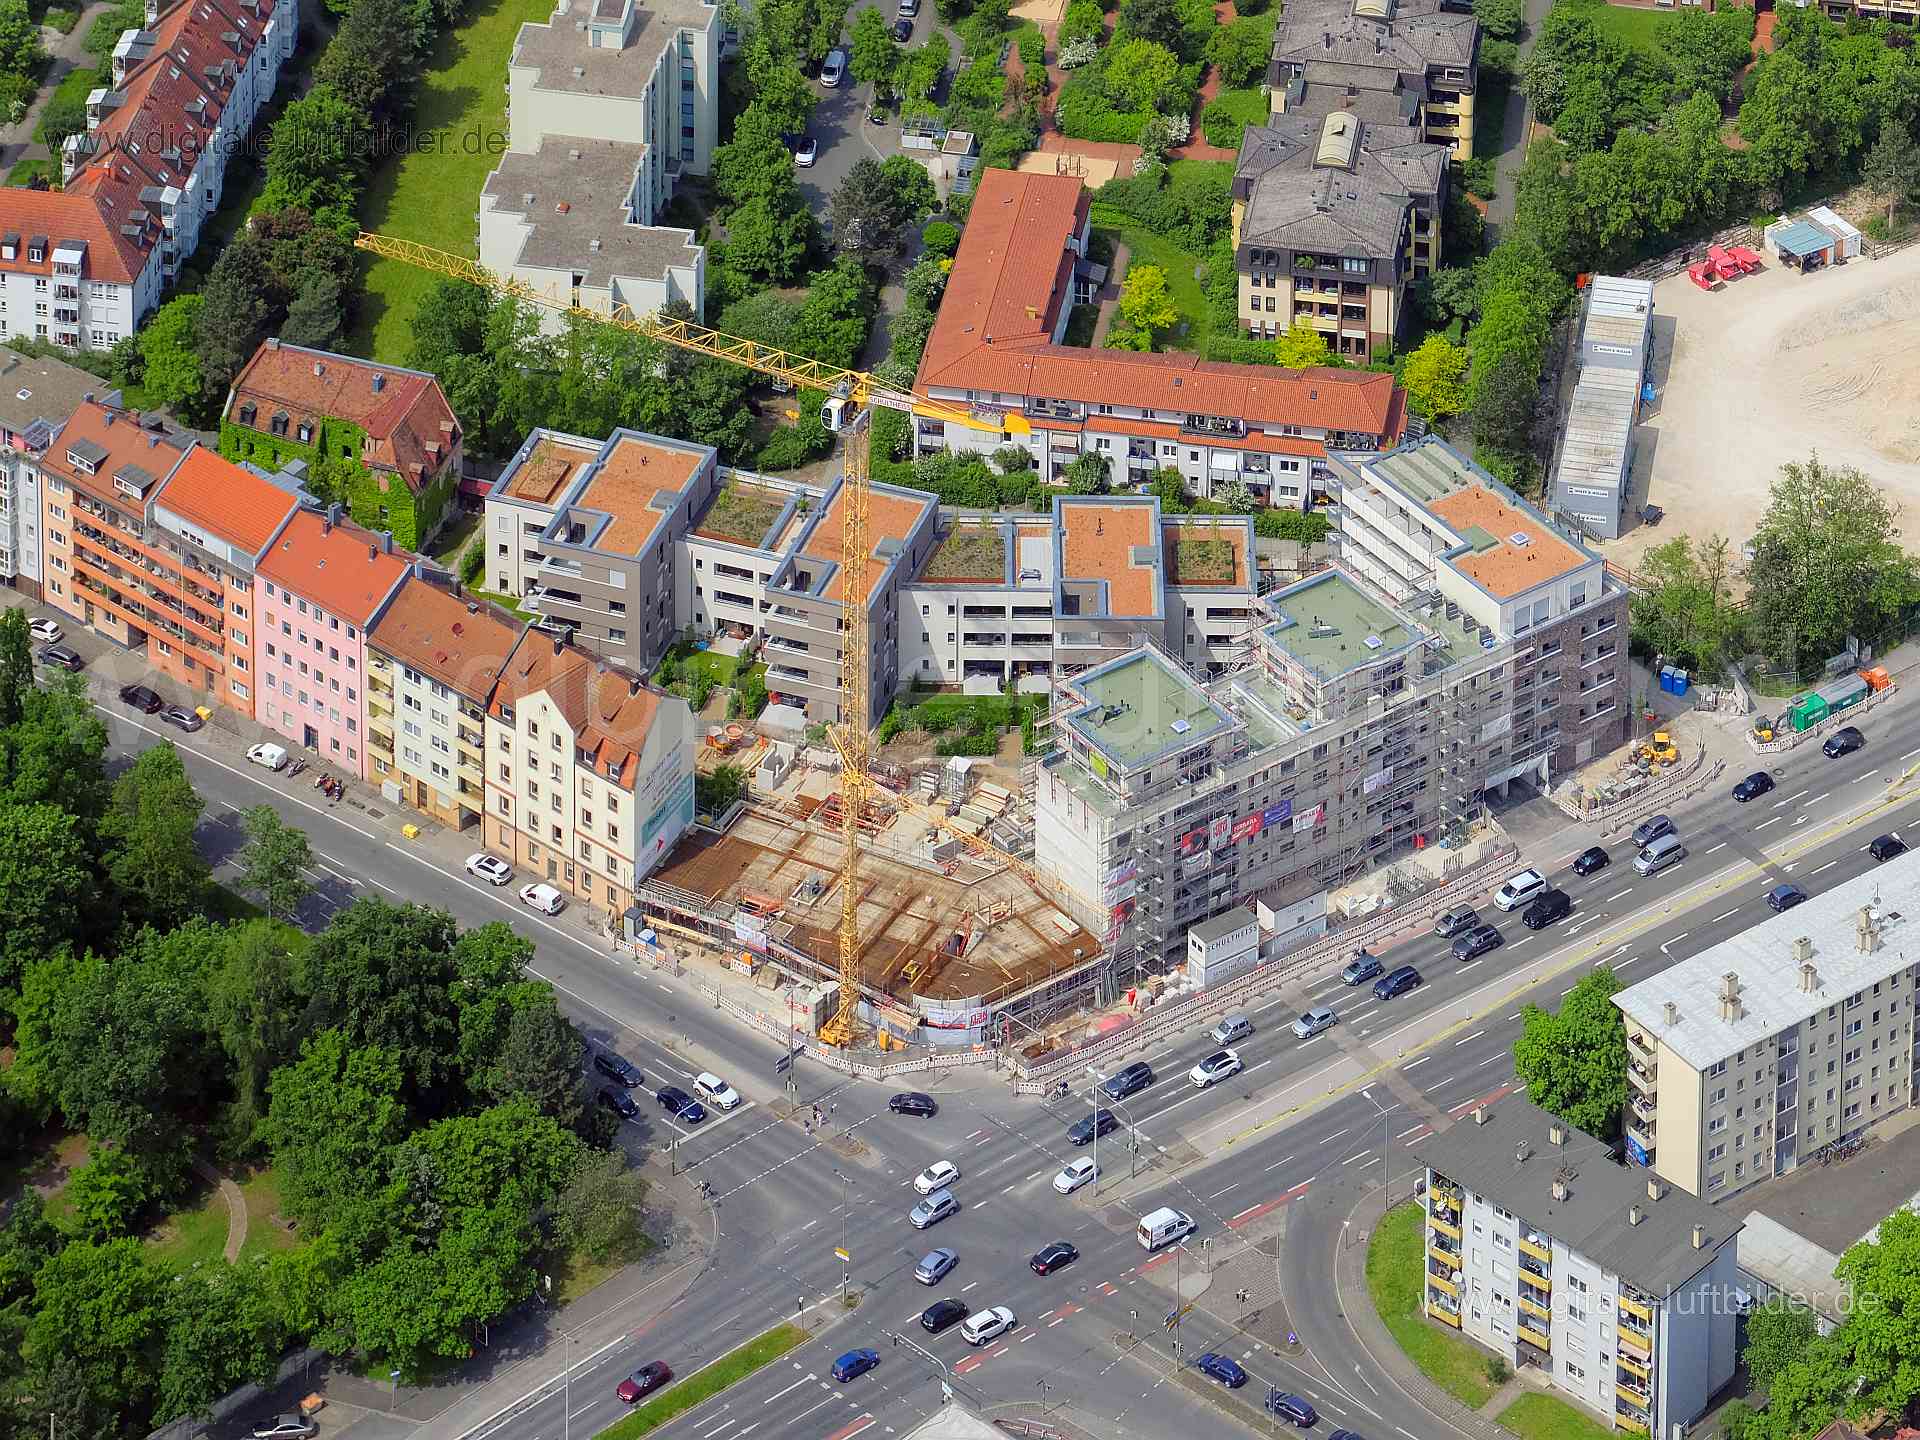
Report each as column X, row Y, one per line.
column 1627, row 1422
column 1442, row 1283
column 1445, row 1227
column 1444, row 1313
column 1635, row 1348
column 1641, row 1392
column 1535, row 1308
column 1633, row 1365
column 1640, row 1075
column 1448, row 1258
column 1640, row 1312
column 1640, row 1042
column 1540, row 1247
column 1532, row 1334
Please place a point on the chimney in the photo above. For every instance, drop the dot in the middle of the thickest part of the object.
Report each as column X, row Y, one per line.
column 473, row 607
column 559, row 644
column 1803, row 949
column 379, row 382
column 372, row 550
column 109, row 419
column 1809, row 978
column 386, row 542
column 273, row 342
column 1699, row 1237
column 1866, row 930
column 1655, row 1189
column 1520, row 1152
column 87, row 399
column 1559, row 1188
column 1557, row 1133
column 1672, row 1013
column 1479, row 1114
column 1635, row 1215
column 1730, row 1007
column 633, row 685
column 318, row 368
column 333, row 515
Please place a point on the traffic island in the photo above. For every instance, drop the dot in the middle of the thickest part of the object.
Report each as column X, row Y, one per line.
column 708, row 1381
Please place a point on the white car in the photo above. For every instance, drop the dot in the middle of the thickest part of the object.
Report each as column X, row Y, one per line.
column 45, row 631
column 490, row 868
column 936, row 1176
column 716, row 1091
column 544, row 898
column 1215, row 1068
column 1078, row 1172
column 274, row 757
column 1519, row 889
column 984, row 1325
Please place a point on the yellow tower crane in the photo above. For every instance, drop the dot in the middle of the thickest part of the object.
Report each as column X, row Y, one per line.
column 857, row 391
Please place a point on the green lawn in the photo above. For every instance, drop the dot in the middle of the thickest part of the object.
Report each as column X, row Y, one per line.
column 1396, row 1260
column 1144, row 247
column 74, row 86
column 431, row 193
column 25, row 171
column 1642, row 29
column 730, row 1369
column 507, row 603
column 713, row 668
column 1543, row 1417
column 197, row 1232
column 453, row 538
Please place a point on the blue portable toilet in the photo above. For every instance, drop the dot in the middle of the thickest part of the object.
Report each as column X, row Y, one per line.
column 1666, row 678
column 1680, row 682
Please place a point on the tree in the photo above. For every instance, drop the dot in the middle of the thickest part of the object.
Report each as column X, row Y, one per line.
column 1882, row 1330
column 1508, row 347
column 831, row 323
column 1893, row 166
column 314, row 309
column 56, row 754
column 472, row 1161
column 63, row 115
column 1574, row 1062
column 598, row 1213
column 20, row 52
column 1143, row 76
column 147, row 833
column 1827, row 563
column 516, row 1045
column 107, row 1194
column 1239, row 51
column 452, row 321
column 717, row 789
column 1499, row 19
column 922, row 68
column 16, row 666
column 331, row 1118
column 1686, row 608
column 315, row 155
column 875, row 200
column 223, row 1330
column 1171, row 486
column 275, row 861
column 237, row 310
column 45, row 878
column 1087, row 474
column 170, row 356
column 1146, row 303
column 1301, row 348
column 1156, row 20
column 96, row 1308
column 876, row 56
column 254, row 1009
column 1778, row 1333
column 1435, row 377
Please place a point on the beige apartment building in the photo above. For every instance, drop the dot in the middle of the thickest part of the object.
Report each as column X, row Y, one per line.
column 1397, row 62
column 1750, row 1059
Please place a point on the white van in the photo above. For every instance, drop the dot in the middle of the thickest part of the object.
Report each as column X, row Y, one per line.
column 1665, row 851
column 1519, row 889
column 1163, row 1227
column 1234, row 1027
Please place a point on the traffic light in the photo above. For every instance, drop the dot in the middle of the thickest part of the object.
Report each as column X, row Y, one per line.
column 1173, row 1319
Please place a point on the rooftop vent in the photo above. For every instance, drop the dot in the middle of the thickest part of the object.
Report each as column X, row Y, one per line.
column 1520, row 1152
column 1559, row 1188
column 1655, row 1189
column 1557, row 1133
column 1803, row 949
column 1519, row 539
column 1699, row 1237
column 1635, row 1215
column 1672, row 1012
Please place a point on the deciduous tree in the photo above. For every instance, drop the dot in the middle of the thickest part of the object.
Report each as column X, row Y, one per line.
column 332, row 1117
column 170, row 352
column 98, row 1310
column 1777, row 1335
column 1146, row 303
column 107, row 1194
column 275, row 861
column 1301, row 348
column 16, row 666
column 876, row 57
column 1893, row 167
column 1574, row 1062
column 1435, row 376
column 45, row 879
column 598, row 1213
column 147, row 835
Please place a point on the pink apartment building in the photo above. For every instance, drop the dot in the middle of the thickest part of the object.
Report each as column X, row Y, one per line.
column 316, row 592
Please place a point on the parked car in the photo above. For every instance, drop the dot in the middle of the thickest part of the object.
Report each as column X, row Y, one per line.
column 935, row 1264
column 1101, row 1122
column 1651, row 829
column 141, row 698
column 1551, row 906
column 1519, row 888
column 937, row 1176
column 274, row 757
column 806, row 150
column 1129, row 1081
column 490, row 868
column 644, row 1381
column 932, row 1210
column 854, row 1364
column 907, row 9
column 913, row 1103
column 1312, row 1022
column 1398, row 983
column 1885, row 847
column 62, row 656
column 716, row 1091
column 1453, row 922
column 1477, row 942
column 1283, row 1405
column 1362, row 968
column 182, row 718
column 1052, row 1257
column 835, row 68
column 1223, row 1368
column 1592, row 859
column 1753, row 787
column 943, row 1314
column 1218, row 1066
column 988, row 1324
column 1785, row 897
column 903, row 30
column 544, row 898
column 1843, row 742
column 44, row 631
column 1076, row 1173
column 284, row 1427
column 618, row 1068
column 682, row 1106
column 618, row 1101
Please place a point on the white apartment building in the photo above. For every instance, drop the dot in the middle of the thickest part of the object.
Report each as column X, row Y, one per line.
column 1623, row 1291
column 1749, row 1059
column 75, row 271
column 36, row 397
column 609, row 104
column 589, row 772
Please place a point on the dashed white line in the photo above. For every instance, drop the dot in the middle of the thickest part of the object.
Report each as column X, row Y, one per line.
column 1408, row 1131
column 1276, row 1165
column 1412, row 1063
column 1465, row 1038
column 1761, row 826
column 1723, row 844
column 1828, row 866
column 1218, row 1193
column 1361, row 1156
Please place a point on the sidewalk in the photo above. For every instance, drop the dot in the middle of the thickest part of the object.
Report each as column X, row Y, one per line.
column 65, row 54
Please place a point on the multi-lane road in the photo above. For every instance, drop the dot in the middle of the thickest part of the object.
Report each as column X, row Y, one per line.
column 1302, row 1117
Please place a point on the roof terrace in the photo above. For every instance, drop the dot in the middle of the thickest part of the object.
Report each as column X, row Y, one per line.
column 1141, row 708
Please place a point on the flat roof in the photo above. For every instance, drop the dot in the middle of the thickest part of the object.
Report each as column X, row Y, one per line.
column 1761, row 961
column 1222, row 925
column 1115, row 543
column 1330, row 625
column 1802, row 237
column 543, row 472
column 555, row 49
column 637, row 480
column 1139, row 707
column 1792, row 1264
column 892, row 515
column 1511, row 1161
column 1510, row 549
column 1599, row 429
column 1192, row 560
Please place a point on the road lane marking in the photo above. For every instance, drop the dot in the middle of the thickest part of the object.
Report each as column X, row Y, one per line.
column 1761, row 826
column 1474, row 1036
column 1276, row 1165
column 1828, row 866
column 1723, row 915
column 1361, row 1156
column 1218, row 1193
column 1408, row 1131
column 1421, row 1061
column 1723, row 844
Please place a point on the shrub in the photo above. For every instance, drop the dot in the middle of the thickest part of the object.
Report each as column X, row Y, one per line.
column 1308, row 529
column 940, row 239
column 1084, row 113
column 1221, row 125
column 1084, row 20
column 473, row 562
column 1478, row 177
column 791, row 446
column 1083, row 51
column 1033, row 47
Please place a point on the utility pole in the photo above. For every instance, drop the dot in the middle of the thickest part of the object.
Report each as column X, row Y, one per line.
column 846, row 1261
column 1386, row 1170
column 566, row 1385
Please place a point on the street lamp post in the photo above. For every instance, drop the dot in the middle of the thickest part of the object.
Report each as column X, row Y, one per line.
column 1386, row 1170
column 566, row 1384
column 846, row 1265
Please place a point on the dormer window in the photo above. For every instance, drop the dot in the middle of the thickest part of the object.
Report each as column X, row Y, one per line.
column 306, row 433
column 278, row 425
column 36, row 255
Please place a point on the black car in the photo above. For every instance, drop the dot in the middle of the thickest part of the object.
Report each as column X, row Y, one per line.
column 140, row 698
column 619, row 1102
column 1050, row 1259
column 182, row 718
column 1550, row 906
column 913, row 1103
column 1843, row 742
column 943, row 1313
column 1101, row 1122
column 1753, row 787
column 63, row 657
column 1591, row 859
column 1785, row 897
column 1398, row 983
column 682, row 1106
column 617, row 1069
column 1885, row 847
column 1291, row 1408
column 1130, row 1081
column 1476, row 942
column 903, row 30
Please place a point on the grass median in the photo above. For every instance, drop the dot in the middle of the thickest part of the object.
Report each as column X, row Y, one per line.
column 1396, row 1263
column 703, row 1384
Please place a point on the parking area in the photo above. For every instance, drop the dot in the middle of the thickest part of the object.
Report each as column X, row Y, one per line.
column 1769, row 368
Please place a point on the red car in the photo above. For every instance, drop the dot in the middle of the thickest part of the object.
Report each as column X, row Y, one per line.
column 644, row 1381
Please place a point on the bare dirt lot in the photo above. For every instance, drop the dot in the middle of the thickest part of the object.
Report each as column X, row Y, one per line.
column 1771, row 368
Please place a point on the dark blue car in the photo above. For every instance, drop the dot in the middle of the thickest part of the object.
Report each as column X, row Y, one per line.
column 1283, row 1405
column 1399, row 982
column 1223, row 1368
column 854, row 1364
column 682, row 1106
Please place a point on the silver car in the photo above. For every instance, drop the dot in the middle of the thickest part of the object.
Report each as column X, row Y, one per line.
column 932, row 1210
column 1314, row 1021
column 935, row 1264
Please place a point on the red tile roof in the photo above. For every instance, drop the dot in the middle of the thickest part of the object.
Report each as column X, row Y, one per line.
column 341, row 568
column 227, row 500
column 77, row 214
column 609, row 710
column 126, row 443
column 1011, row 276
column 409, row 425
column 461, row 643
